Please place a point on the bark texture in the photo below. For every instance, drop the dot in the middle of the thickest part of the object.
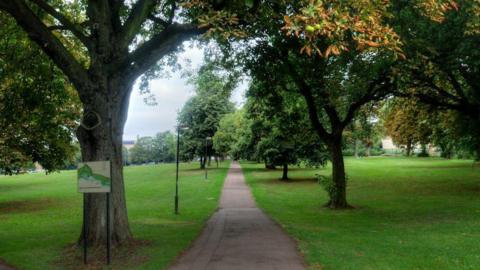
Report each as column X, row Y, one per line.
column 338, row 198
column 105, row 143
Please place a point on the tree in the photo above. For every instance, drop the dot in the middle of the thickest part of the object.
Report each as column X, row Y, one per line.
column 235, row 136
column 334, row 88
column 202, row 113
column 120, row 41
column 364, row 129
column 160, row 148
column 407, row 122
column 283, row 131
column 443, row 61
column 336, row 54
column 163, row 147
column 38, row 107
column 334, row 91
column 270, row 128
column 142, row 151
column 229, row 130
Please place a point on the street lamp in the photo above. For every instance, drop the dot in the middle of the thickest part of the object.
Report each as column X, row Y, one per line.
column 206, row 156
column 179, row 127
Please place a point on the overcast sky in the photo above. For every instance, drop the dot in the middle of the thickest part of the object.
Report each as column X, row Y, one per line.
column 170, row 93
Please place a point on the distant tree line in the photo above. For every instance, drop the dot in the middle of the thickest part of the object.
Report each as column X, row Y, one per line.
column 157, row 149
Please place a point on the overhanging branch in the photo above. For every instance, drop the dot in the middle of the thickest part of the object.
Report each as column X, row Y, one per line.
column 51, row 45
column 66, row 23
column 148, row 54
column 310, row 100
column 140, row 12
column 377, row 89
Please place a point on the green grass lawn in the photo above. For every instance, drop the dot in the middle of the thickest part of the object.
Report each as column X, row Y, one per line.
column 410, row 213
column 41, row 214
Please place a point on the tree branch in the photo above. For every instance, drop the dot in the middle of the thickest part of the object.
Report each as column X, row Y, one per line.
column 57, row 27
column 310, row 100
column 140, row 12
column 332, row 115
column 377, row 89
column 470, row 79
column 115, row 7
column 51, row 45
column 159, row 21
column 428, row 83
column 456, row 86
column 435, row 101
column 165, row 42
column 74, row 28
column 170, row 15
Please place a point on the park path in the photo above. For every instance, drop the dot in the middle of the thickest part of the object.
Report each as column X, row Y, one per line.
column 5, row 266
column 240, row 236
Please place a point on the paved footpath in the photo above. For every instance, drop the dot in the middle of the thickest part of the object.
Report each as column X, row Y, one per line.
column 240, row 236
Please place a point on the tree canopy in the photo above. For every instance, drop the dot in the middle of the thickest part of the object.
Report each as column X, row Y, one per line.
column 408, row 123
column 39, row 109
column 202, row 113
column 159, row 148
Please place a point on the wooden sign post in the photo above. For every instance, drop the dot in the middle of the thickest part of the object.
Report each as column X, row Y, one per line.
column 95, row 177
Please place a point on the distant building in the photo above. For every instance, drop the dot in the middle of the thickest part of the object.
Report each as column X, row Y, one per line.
column 37, row 167
column 388, row 145
column 128, row 144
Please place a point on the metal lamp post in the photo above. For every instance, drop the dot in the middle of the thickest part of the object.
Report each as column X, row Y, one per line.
column 176, row 175
column 206, row 156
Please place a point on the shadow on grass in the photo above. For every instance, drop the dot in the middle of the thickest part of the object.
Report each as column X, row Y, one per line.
column 26, row 206
column 289, row 181
column 4, row 188
column 126, row 256
column 472, row 165
column 202, row 170
column 452, row 189
column 279, row 170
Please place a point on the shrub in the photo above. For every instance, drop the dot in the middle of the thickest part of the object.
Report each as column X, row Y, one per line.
column 328, row 185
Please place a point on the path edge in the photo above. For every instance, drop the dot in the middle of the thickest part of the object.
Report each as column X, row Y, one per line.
column 204, row 226
column 276, row 222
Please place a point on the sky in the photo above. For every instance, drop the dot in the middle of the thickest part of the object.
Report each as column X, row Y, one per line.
column 170, row 94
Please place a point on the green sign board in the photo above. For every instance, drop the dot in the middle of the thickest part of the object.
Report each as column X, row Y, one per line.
column 94, row 177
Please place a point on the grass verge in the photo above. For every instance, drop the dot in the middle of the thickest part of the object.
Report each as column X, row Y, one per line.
column 40, row 215
column 410, row 213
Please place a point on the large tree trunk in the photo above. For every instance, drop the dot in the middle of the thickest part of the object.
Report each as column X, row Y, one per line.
column 338, row 197
column 285, row 171
column 105, row 143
